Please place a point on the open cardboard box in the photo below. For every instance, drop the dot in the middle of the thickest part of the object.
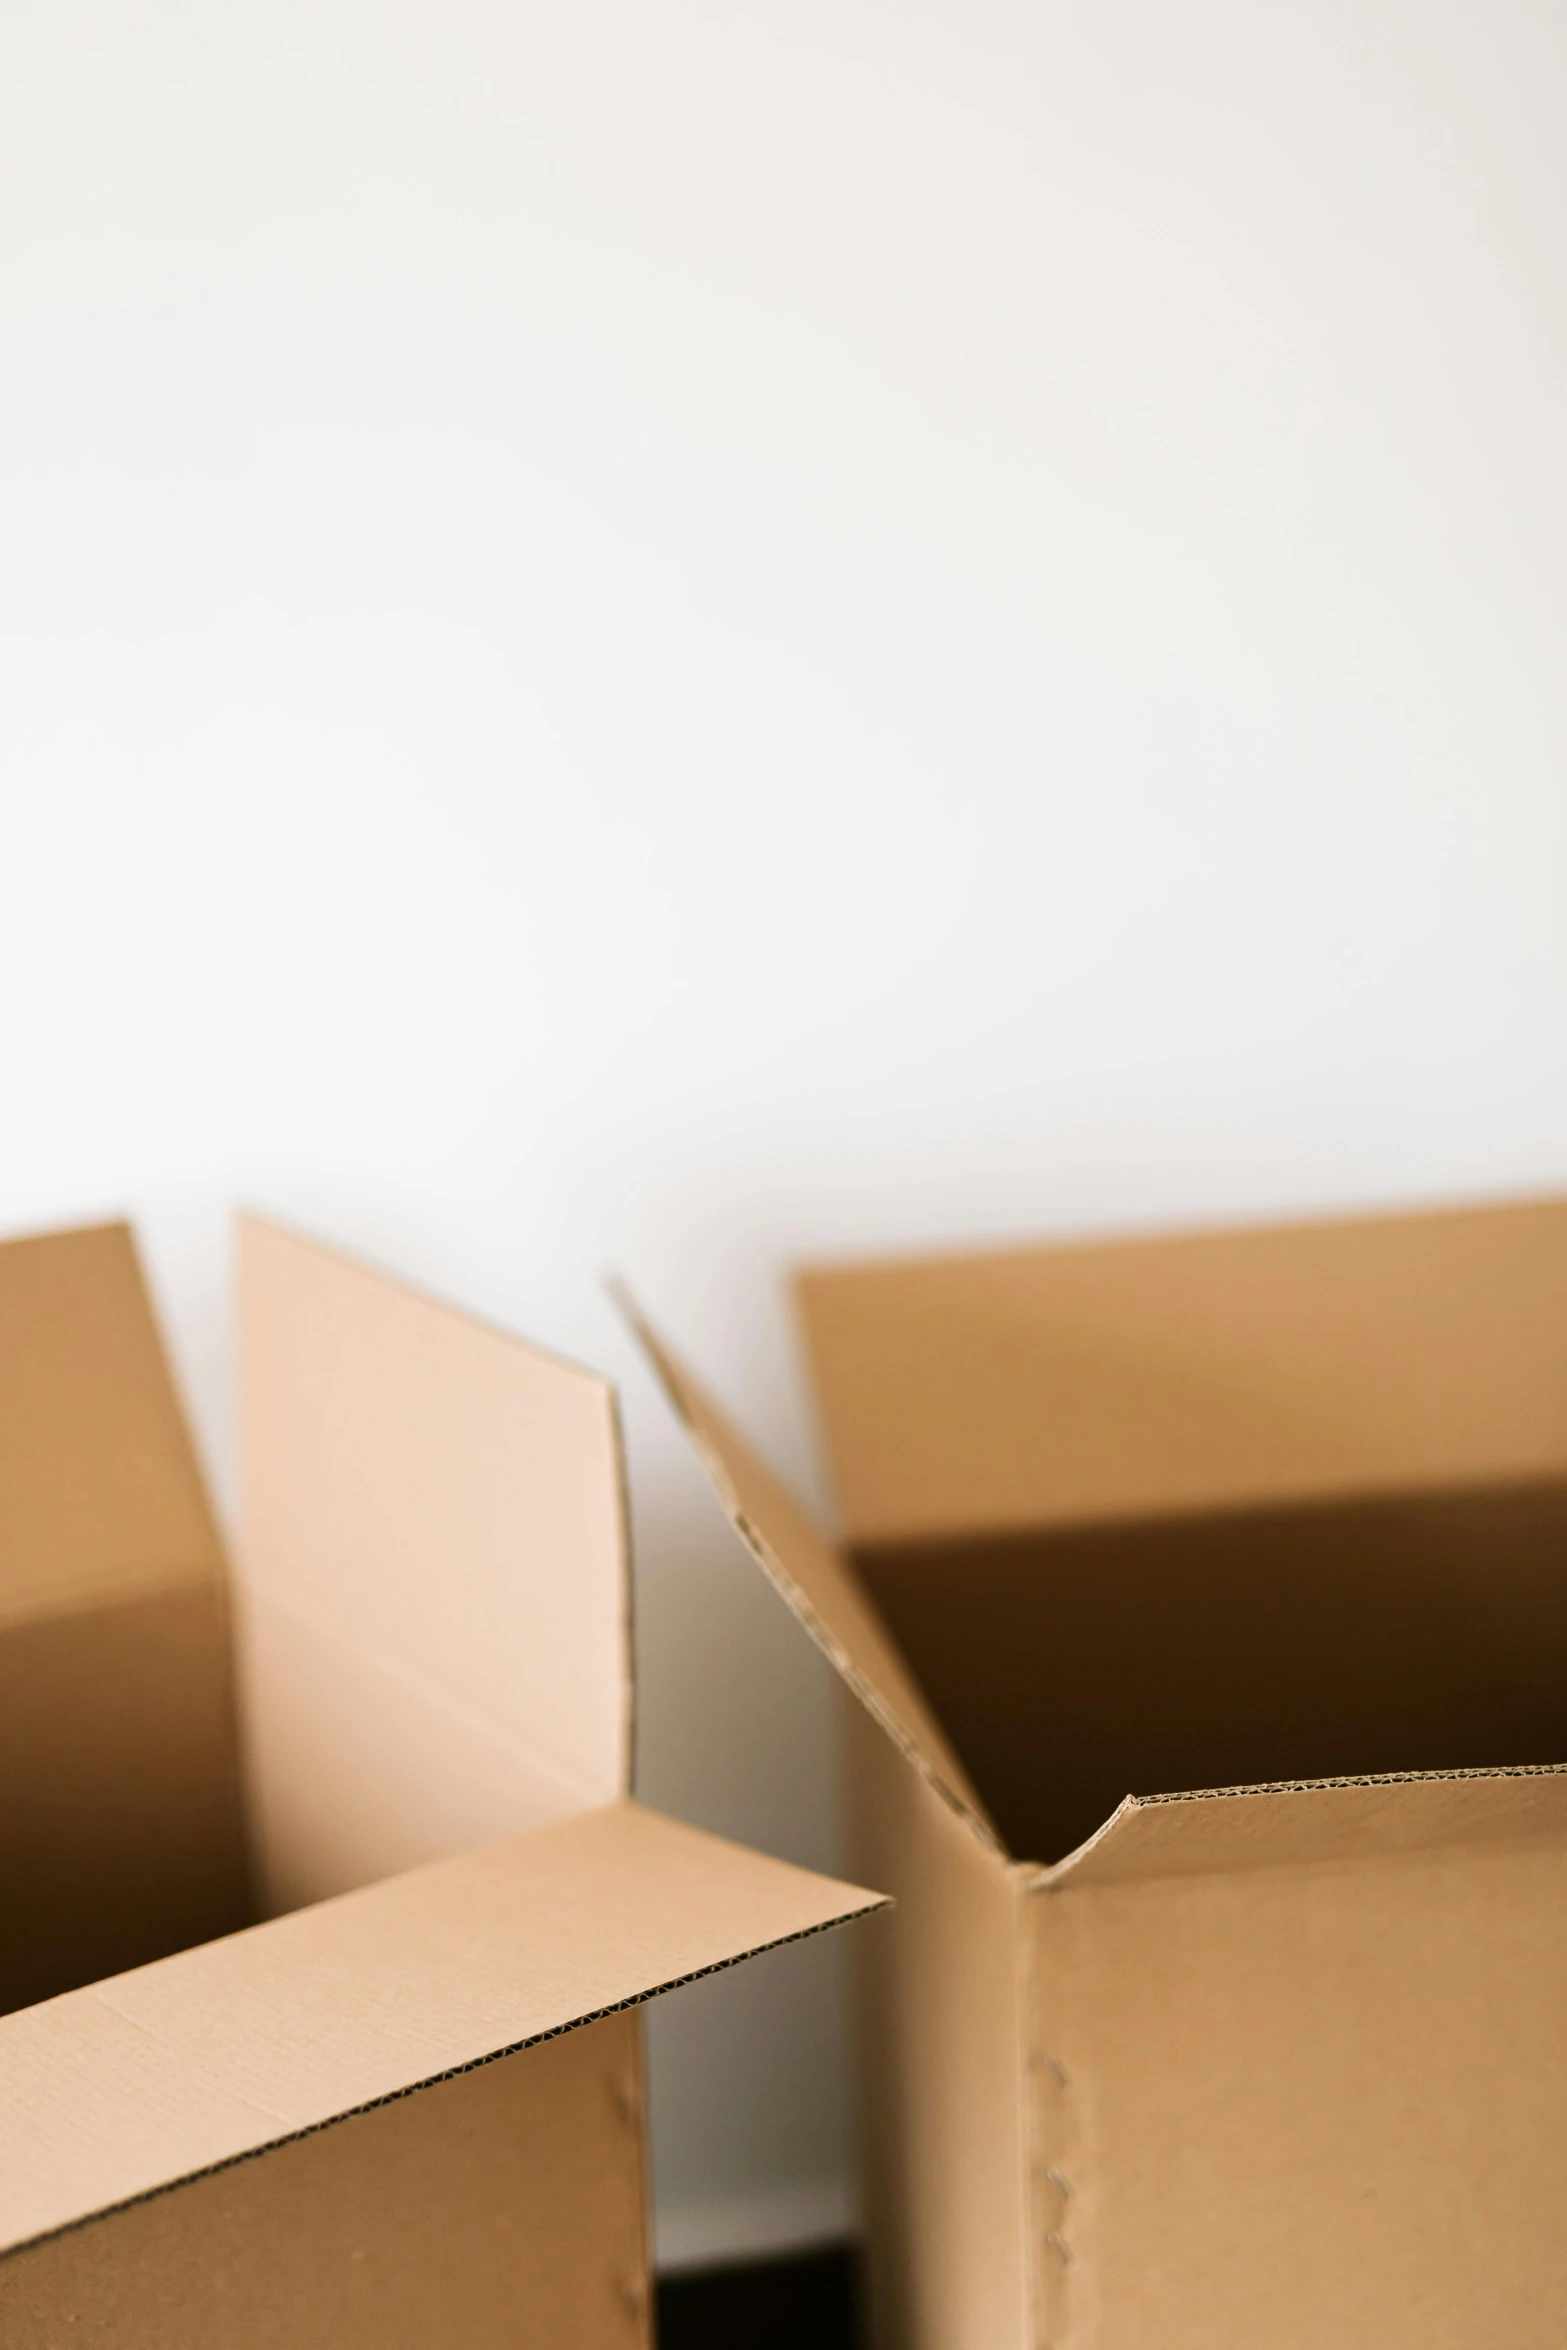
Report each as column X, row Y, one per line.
column 1277, row 1518
column 407, row 2109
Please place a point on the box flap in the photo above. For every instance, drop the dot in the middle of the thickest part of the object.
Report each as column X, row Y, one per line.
column 1056, row 1386
column 1229, row 1829
column 433, row 1553
column 818, row 1584
column 100, row 1495
column 154, row 2077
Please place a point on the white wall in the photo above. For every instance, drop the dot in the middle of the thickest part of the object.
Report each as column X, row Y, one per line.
column 667, row 635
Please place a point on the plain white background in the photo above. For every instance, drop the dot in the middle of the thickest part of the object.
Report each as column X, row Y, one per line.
column 673, row 635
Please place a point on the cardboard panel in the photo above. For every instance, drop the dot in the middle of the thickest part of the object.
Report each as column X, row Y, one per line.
column 817, row 1583
column 120, row 1820
column 120, row 1828
column 1309, row 2106
column 447, row 1502
column 1238, row 1369
column 155, row 2076
column 100, row 1495
column 498, row 2208
column 412, row 1773
column 1244, row 1828
column 943, row 2093
column 1409, row 1633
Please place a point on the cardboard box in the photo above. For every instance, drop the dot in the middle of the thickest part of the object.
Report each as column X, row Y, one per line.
column 1277, row 1518
column 373, row 2119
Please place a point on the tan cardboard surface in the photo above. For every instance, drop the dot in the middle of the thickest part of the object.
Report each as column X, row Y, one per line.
column 1267, row 1507
column 154, row 2076
column 1310, row 2106
column 1234, row 1829
column 446, row 1501
column 413, row 1772
column 120, row 1829
column 498, row 2208
column 819, row 1585
column 1408, row 1632
column 120, row 1821
column 942, row 2037
column 100, row 1495
column 1059, row 1385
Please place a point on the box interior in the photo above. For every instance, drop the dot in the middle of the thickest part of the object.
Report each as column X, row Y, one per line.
column 1219, row 1510
column 419, row 1646
column 430, row 1720
column 262, row 2038
column 1072, row 1668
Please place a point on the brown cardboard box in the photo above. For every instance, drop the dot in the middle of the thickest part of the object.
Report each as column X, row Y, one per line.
column 372, row 2119
column 1270, row 1528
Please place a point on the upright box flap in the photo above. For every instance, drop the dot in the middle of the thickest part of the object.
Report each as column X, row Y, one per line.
column 1053, row 1386
column 100, row 1495
column 1227, row 1830
column 433, row 1553
column 154, row 2077
column 819, row 1586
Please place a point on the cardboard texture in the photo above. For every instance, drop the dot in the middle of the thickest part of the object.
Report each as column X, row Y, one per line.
column 1213, row 1592
column 356, row 2120
column 119, row 1787
column 432, row 1574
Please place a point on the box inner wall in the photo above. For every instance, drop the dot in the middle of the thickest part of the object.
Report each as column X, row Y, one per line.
column 437, row 1504
column 122, row 1835
column 1073, row 1667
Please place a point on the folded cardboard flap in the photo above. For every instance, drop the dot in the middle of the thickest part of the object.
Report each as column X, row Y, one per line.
column 433, row 1619
column 432, row 1609
column 432, row 1562
column 1219, row 1510
column 1224, row 1831
column 130, row 2086
column 820, row 1587
column 1074, row 1384
column 1279, row 1519
column 1224, row 1510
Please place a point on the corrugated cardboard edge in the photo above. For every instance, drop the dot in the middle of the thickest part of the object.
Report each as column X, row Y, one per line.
column 451, row 2073
column 856, row 1903
column 946, row 1774
column 497, row 1329
column 1115, row 1853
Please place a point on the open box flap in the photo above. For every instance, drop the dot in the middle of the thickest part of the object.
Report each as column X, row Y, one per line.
column 433, row 1552
column 154, row 2077
column 1231, row 1829
column 1166, row 1375
column 100, row 1495
column 817, row 1583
